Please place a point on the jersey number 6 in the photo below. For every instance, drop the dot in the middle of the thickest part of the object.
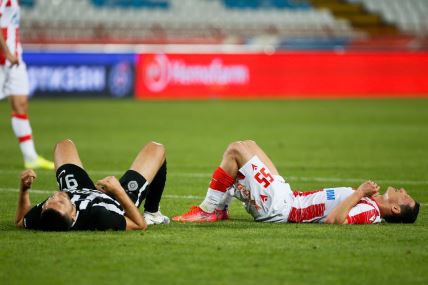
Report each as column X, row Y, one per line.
column 70, row 182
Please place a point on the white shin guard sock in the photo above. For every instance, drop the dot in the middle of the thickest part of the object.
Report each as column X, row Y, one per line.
column 212, row 200
column 22, row 129
column 225, row 201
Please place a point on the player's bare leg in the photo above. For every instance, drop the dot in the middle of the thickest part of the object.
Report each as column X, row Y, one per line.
column 22, row 129
column 149, row 160
column 19, row 104
column 214, row 206
column 151, row 164
column 238, row 153
column 254, row 149
column 65, row 152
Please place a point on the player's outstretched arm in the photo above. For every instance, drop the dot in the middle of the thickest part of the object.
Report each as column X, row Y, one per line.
column 24, row 203
column 340, row 213
column 111, row 186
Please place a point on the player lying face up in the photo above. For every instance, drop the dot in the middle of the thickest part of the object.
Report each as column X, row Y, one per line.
column 248, row 174
column 110, row 204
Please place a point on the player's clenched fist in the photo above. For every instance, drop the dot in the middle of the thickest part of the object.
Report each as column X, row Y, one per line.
column 27, row 178
column 369, row 188
column 109, row 185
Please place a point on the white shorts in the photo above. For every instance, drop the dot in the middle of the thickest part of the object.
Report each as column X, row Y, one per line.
column 14, row 80
column 266, row 197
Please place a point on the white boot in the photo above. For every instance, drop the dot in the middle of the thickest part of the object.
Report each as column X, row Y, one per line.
column 155, row 218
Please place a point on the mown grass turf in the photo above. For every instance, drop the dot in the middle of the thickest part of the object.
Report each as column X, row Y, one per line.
column 313, row 143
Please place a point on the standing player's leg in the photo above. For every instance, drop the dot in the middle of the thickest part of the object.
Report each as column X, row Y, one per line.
column 146, row 180
column 17, row 88
column 214, row 206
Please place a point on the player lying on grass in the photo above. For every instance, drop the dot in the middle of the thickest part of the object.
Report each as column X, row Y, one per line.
column 110, row 204
column 248, row 174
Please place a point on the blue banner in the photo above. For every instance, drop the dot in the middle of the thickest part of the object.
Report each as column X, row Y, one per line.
column 75, row 74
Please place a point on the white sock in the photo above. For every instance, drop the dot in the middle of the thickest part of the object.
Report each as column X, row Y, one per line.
column 212, row 199
column 225, row 201
column 22, row 129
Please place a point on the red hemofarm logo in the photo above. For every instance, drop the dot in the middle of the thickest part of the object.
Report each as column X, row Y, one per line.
column 178, row 74
column 281, row 75
column 162, row 72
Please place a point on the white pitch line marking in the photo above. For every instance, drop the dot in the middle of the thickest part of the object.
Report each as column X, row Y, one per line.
column 38, row 191
column 290, row 178
column 168, row 196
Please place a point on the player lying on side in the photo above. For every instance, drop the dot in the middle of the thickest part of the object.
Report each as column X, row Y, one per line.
column 248, row 174
column 110, row 204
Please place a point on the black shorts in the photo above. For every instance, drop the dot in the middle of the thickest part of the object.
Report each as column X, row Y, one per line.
column 71, row 176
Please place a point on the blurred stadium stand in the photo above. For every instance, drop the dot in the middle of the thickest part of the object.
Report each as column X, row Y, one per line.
column 280, row 24
column 410, row 16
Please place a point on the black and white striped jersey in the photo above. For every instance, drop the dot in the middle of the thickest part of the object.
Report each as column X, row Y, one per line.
column 95, row 211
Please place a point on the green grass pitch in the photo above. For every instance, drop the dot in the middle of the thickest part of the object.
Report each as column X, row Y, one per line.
column 314, row 143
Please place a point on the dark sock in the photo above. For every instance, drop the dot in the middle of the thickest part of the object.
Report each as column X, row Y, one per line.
column 155, row 190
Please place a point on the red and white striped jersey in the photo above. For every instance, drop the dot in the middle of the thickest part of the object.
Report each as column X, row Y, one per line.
column 9, row 24
column 315, row 206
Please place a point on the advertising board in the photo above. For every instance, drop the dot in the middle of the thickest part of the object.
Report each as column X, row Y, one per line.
column 281, row 75
column 71, row 74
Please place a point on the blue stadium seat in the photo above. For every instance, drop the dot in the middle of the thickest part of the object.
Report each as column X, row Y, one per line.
column 27, row 3
column 258, row 4
column 313, row 43
column 143, row 4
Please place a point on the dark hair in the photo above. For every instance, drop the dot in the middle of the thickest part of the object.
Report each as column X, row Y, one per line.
column 52, row 220
column 407, row 214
